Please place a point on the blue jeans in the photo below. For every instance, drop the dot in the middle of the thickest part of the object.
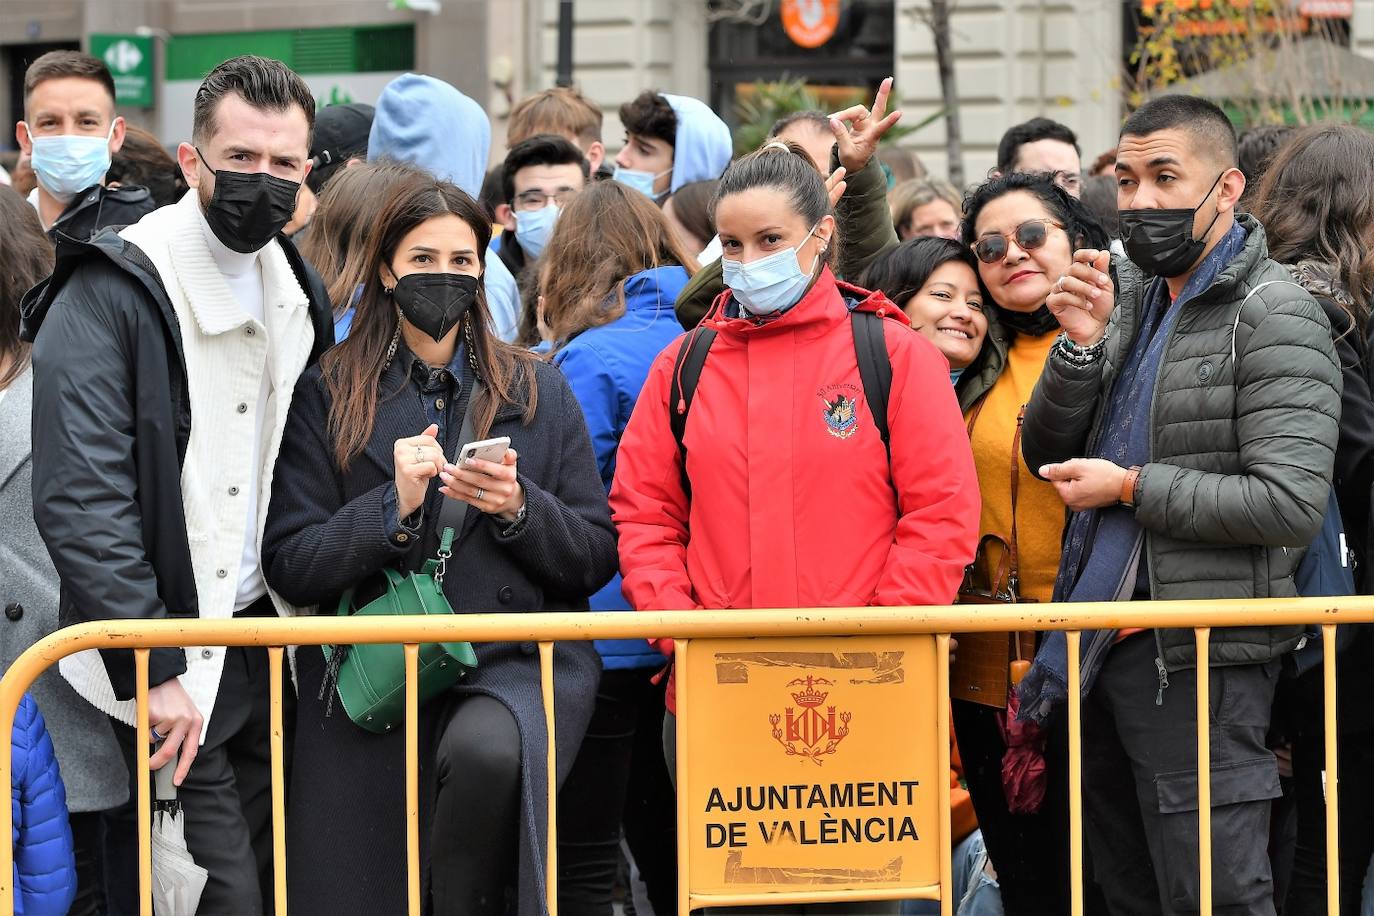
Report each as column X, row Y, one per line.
column 975, row 894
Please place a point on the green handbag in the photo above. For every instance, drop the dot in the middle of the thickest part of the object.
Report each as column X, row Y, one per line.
column 371, row 678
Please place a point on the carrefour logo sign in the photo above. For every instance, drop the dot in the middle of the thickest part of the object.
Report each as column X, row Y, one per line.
column 123, row 56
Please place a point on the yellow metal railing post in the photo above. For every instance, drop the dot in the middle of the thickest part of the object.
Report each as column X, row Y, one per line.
column 274, row 669
column 145, row 802
column 1075, row 776
column 943, row 713
column 412, row 657
column 1331, row 785
column 1204, row 771
column 679, row 764
column 546, row 687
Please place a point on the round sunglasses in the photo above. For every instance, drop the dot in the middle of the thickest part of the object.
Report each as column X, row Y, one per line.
column 1029, row 236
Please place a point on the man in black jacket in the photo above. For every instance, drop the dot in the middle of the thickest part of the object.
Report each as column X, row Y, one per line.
column 166, row 355
column 70, row 130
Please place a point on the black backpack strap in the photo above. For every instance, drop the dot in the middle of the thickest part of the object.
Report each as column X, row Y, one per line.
column 691, row 357
column 875, row 369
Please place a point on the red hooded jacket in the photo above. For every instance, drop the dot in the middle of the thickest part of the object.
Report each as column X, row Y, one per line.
column 792, row 501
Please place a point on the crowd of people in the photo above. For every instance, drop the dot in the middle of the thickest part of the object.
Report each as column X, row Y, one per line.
column 313, row 360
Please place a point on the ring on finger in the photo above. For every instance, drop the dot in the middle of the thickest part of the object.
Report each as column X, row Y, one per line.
column 481, row 494
column 156, row 736
column 419, row 455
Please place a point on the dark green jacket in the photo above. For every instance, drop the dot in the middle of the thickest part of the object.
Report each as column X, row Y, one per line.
column 1241, row 451
column 863, row 224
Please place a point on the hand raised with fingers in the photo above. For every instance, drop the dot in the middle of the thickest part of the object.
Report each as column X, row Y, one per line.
column 416, row 460
column 858, row 129
column 836, row 185
column 1082, row 300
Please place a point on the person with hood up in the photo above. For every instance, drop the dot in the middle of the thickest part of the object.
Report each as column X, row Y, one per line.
column 670, row 141
column 783, row 491
column 607, row 311
column 427, row 122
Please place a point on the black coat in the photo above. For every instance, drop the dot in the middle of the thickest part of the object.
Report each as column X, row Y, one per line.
column 111, row 422
column 100, row 208
column 327, row 531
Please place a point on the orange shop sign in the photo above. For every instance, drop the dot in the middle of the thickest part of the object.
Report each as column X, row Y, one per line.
column 810, row 766
column 810, row 23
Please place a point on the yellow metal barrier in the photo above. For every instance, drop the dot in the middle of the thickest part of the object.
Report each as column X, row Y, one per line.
column 546, row 628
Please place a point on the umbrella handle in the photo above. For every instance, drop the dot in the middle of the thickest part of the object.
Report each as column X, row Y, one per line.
column 163, row 787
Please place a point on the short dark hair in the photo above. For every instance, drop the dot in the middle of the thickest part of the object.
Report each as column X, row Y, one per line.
column 1256, row 148
column 901, row 271
column 1083, row 229
column 60, row 64
column 1029, row 132
column 818, row 120
column 650, row 114
column 1201, row 119
column 541, row 149
column 264, row 83
column 1098, row 194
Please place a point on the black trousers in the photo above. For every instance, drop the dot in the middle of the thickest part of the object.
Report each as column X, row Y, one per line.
column 87, row 839
column 477, row 819
column 1029, row 851
column 619, row 778
column 226, row 797
column 1355, row 761
column 1140, row 795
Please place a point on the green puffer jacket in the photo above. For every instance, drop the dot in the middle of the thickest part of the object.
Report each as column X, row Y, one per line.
column 1241, row 458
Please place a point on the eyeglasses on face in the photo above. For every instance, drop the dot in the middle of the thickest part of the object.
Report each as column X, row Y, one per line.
column 538, row 200
column 1029, row 236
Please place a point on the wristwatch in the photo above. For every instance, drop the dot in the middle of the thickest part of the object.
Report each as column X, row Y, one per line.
column 1128, row 486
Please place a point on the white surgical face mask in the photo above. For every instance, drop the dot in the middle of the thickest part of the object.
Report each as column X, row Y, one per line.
column 770, row 285
column 641, row 181
column 68, row 164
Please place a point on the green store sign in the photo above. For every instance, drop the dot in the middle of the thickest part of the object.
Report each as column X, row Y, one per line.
column 130, row 59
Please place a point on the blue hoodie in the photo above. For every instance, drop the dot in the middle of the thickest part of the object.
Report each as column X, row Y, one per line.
column 425, row 121
column 702, row 146
column 605, row 367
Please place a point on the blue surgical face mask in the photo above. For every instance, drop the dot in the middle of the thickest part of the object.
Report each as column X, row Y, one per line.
column 770, row 285
column 69, row 164
column 641, row 181
column 533, row 228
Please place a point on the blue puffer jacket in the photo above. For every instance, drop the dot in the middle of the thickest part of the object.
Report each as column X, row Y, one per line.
column 606, row 367
column 44, row 864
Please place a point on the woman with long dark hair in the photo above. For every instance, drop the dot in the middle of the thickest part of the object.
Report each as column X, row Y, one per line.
column 366, row 468
column 1316, row 203
column 1023, row 229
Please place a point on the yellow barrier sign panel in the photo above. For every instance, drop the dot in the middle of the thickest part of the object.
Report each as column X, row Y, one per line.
column 812, row 764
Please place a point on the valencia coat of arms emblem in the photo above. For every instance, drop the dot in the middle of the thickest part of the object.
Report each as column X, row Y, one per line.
column 811, row 729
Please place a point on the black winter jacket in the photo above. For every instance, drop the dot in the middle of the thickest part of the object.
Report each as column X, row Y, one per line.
column 111, row 423
column 101, row 208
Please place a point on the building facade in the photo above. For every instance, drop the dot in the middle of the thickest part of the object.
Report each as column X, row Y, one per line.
column 1014, row 59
